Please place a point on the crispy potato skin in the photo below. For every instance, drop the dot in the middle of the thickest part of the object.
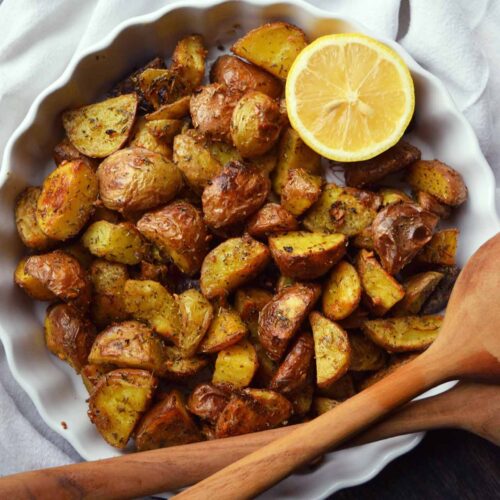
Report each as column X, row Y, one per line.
column 69, row 335
column 301, row 191
column 242, row 76
column 292, row 374
column 92, row 373
column 282, row 317
column 135, row 179
column 66, row 201
column 417, row 290
column 179, row 231
column 368, row 172
column 255, row 124
column 271, row 219
column 207, row 402
column 439, row 297
column 432, row 204
column 211, row 110
column 235, row 194
column 166, row 424
column 399, row 232
column 392, row 195
column 63, row 275
column 188, row 60
column 31, row 286
column 65, row 151
column 161, row 86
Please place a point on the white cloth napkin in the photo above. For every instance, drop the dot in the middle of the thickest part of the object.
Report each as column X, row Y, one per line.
column 457, row 40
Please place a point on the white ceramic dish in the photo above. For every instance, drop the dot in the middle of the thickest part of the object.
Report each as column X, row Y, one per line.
column 58, row 394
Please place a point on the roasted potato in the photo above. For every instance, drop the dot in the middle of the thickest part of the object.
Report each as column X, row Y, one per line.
column 441, row 249
column 248, row 302
column 342, row 210
column 69, row 335
column 292, row 375
column 152, row 271
column 115, row 242
column 67, row 199
column 135, row 179
column 381, row 290
column 417, row 290
column 178, row 367
column 165, row 129
column 129, row 344
column 179, row 232
column 142, row 137
column 409, row 333
column 99, row 129
column 255, row 124
column 118, row 401
column 439, row 180
column 302, row 400
column 332, row 349
column 432, row 204
column 303, row 256
column 284, row 282
column 399, row 232
column 235, row 194
column 188, row 60
column 439, row 297
column 267, row 367
column 26, row 220
column 65, row 151
column 341, row 389
column 393, row 195
column 207, row 402
column 252, row 410
column 152, row 303
column 63, row 275
column 31, row 285
column 300, row 191
column 232, row 264
column 355, row 319
column 211, row 110
column 92, row 373
column 235, row 365
column 293, row 153
column 364, row 239
column 271, row 219
column 342, row 292
column 272, row 46
column 243, row 77
column 283, row 316
column 162, row 86
column 226, row 329
column 322, row 405
column 394, row 364
column 365, row 355
column 172, row 111
column 368, row 172
column 196, row 314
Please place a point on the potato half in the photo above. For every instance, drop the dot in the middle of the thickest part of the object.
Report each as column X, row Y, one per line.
column 235, row 365
column 226, row 329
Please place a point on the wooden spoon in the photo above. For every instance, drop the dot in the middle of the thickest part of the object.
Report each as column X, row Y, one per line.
column 469, row 406
column 468, row 345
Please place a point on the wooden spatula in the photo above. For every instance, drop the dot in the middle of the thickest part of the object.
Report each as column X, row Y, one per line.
column 468, row 346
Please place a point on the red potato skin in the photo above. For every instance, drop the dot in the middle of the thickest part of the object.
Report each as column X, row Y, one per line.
column 207, row 402
column 271, row 219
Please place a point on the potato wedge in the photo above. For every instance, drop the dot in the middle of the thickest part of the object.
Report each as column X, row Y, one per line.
column 393, row 195
column 232, row 264
column 179, row 232
column 269, row 220
column 364, row 239
column 65, row 151
column 226, row 329
column 441, row 249
column 188, row 60
column 152, row 271
column 322, row 405
column 31, row 285
column 249, row 301
column 341, row 389
column 342, row 210
column 284, row 282
column 99, row 129
column 283, row 316
column 355, row 319
column 63, row 275
column 69, row 335
column 161, row 86
column 115, row 242
column 399, row 232
column 272, row 46
column 165, row 129
column 235, row 366
column 233, row 195
column 177, row 367
column 267, row 367
column 67, row 199
column 129, row 344
column 243, row 77
column 332, row 349
column 152, row 303
column 92, row 373
column 293, row 373
column 143, row 137
column 410, row 333
column 365, row 355
column 439, row 297
column 432, row 204
column 368, row 172
column 207, row 402
column 439, row 180
column 196, row 314
column 342, row 292
column 302, row 401
column 118, row 402
column 252, row 410
column 394, row 364
column 418, row 288
column 300, row 191
column 167, row 423
column 172, row 111
column 26, row 221
column 135, row 179
column 302, row 255
column 293, row 153
column 381, row 290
